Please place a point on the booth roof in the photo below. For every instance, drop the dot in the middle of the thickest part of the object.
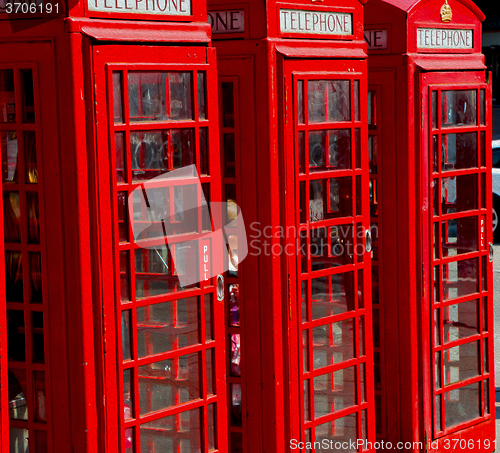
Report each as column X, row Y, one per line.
column 408, row 5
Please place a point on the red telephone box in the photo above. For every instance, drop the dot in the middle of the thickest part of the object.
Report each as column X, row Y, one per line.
column 430, row 187
column 111, row 347
column 292, row 87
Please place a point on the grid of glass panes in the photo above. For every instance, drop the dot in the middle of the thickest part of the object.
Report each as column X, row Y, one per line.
column 229, row 122
column 374, row 138
column 459, row 258
column 24, row 257
column 330, row 222
column 167, row 347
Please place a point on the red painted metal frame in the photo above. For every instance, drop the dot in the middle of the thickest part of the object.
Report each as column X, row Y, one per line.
column 315, row 70
column 106, row 59
column 482, row 428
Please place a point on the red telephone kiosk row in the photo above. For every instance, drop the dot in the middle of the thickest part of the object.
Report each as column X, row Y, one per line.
column 123, row 122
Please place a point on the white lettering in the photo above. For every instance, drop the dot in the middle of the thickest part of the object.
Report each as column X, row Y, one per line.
column 449, row 39
column 315, row 22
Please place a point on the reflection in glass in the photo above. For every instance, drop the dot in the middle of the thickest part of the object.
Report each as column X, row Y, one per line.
column 460, row 278
column 202, row 103
column 334, row 391
column 459, row 236
column 169, row 383
column 183, row 148
column 167, row 326
column 33, row 218
column 117, row 97
column 461, row 362
column 149, row 154
column 459, row 108
column 12, row 217
column 126, row 335
column 329, row 100
column 330, row 150
column 127, row 394
column 235, row 355
column 7, row 96
column 462, row 405
column 332, row 295
column 459, row 151
column 343, row 430
column 459, row 193
column 333, row 343
column 300, row 100
column 234, row 305
column 31, row 157
column 460, row 320
column 10, row 149
column 120, row 156
column 180, row 432
column 236, row 414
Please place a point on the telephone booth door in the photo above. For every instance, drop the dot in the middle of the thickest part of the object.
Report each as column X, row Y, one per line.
column 331, row 370
column 163, row 331
column 456, row 231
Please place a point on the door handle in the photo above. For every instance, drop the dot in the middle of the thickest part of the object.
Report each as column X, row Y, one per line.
column 368, row 236
column 492, row 252
column 220, row 288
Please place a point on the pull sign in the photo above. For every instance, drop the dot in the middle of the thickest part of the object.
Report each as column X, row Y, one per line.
column 445, row 38
column 153, row 7
column 376, row 39
column 299, row 21
column 232, row 21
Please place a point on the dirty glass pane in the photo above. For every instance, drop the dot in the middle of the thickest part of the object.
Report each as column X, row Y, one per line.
column 334, row 391
column 459, row 193
column 117, row 97
column 149, row 153
column 300, row 101
column 329, row 100
column 459, row 151
column 459, row 236
column 202, row 102
column 7, row 97
column 10, row 149
column 460, row 278
column 462, row 405
column 330, row 150
column 167, row 326
column 459, row 108
column 461, row 362
column 330, row 198
column 120, row 156
column 175, row 433
column 235, row 402
column 169, row 382
column 333, row 343
column 332, row 295
column 460, row 320
column 343, row 430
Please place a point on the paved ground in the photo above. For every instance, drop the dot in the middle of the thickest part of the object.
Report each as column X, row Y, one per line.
column 496, row 283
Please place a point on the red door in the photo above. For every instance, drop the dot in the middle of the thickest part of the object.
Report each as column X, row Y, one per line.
column 330, row 330
column 458, row 293
column 158, row 169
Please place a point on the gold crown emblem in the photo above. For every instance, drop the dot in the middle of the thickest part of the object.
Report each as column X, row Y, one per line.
column 446, row 12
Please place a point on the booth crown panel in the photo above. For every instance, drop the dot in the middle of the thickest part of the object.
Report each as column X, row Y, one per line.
column 427, row 27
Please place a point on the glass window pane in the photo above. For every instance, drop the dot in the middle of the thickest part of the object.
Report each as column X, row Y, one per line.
column 460, row 320
column 120, row 156
column 12, row 217
column 460, row 278
column 462, row 405
column 7, row 97
column 126, row 335
column 234, row 305
column 228, row 104
column 330, row 150
column 459, row 151
column 169, row 382
column 333, row 343
column 30, row 157
column 18, row 440
column 202, row 102
column 459, row 193
column 33, row 218
column 331, row 247
column 329, row 100
column 459, row 108
column 117, row 97
column 334, row 391
column 10, row 149
column 127, row 395
column 330, row 198
column 212, row 427
column 461, row 362
column 483, row 107
column 167, row 326
column 332, row 295
column 340, row 430
column 14, row 276
column 459, row 236
column 300, row 101
column 210, row 371
column 180, row 432
column 150, row 155
column 36, row 277
column 235, row 402
column 235, row 355
column 356, row 100
column 183, row 148
column 229, row 155
column 204, row 159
